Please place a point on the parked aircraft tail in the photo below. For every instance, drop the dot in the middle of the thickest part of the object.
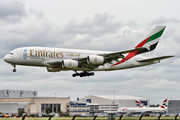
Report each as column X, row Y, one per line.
column 139, row 103
column 164, row 103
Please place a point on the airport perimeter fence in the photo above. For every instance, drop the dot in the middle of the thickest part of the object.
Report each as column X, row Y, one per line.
column 106, row 118
column 118, row 118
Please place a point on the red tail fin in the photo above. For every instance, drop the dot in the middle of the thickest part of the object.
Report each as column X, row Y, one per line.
column 140, row 104
column 163, row 104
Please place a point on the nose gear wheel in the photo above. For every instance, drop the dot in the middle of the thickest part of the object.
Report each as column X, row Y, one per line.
column 14, row 70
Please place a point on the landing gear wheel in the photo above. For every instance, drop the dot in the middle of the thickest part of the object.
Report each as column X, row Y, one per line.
column 14, row 70
column 77, row 74
column 74, row 75
column 83, row 74
column 91, row 74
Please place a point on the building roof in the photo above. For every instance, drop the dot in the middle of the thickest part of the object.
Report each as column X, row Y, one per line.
column 37, row 98
column 118, row 97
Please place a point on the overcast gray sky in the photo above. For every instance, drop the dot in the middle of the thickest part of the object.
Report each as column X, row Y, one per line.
column 109, row 25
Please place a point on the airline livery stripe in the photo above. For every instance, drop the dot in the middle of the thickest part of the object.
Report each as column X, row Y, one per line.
column 132, row 54
column 151, row 48
column 155, row 36
column 141, row 44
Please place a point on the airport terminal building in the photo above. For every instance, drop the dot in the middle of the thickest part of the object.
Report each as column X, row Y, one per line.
column 108, row 103
column 173, row 107
column 15, row 100
column 38, row 104
column 12, row 101
column 31, row 103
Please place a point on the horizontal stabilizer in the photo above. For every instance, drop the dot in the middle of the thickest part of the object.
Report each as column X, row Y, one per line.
column 154, row 59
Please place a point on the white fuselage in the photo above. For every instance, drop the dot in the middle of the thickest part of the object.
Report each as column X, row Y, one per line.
column 141, row 110
column 40, row 56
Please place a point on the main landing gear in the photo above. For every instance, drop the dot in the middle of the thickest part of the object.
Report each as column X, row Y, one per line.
column 83, row 74
column 14, row 70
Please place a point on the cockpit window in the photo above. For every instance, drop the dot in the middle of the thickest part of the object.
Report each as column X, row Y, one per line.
column 11, row 53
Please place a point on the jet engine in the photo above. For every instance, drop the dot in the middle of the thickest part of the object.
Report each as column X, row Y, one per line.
column 95, row 59
column 67, row 63
column 53, row 69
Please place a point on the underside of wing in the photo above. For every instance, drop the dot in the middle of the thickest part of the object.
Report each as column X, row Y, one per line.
column 56, row 63
column 154, row 59
column 83, row 63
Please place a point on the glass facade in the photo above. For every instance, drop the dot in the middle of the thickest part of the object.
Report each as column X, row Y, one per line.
column 80, row 107
column 104, row 108
column 42, row 107
column 46, row 106
column 58, row 107
column 55, row 108
column 79, row 110
column 173, row 107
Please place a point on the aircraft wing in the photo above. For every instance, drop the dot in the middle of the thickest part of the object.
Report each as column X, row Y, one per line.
column 84, row 64
column 83, row 61
column 108, row 57
column 154, row 59
column 56, row 63
column 112, row 55
column 118, row 54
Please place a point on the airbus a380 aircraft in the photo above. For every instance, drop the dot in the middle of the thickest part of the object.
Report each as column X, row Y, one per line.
column 142, row 109
column 57, row 59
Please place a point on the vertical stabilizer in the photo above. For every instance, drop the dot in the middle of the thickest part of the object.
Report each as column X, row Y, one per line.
column 139, row 103
column 164, row 103
column 150, row 41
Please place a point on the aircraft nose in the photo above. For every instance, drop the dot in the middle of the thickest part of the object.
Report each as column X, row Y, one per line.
column 6, row 58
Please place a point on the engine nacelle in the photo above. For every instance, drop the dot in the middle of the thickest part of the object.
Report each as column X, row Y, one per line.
column 95, row 59
column 53, row 69
column 67, row 63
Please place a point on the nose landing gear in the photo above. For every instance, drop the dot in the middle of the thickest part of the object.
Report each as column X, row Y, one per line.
column 83, row 74
column 14, row 70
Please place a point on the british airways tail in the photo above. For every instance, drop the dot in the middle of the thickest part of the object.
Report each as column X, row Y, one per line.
column 164, row 103
column 139, row 103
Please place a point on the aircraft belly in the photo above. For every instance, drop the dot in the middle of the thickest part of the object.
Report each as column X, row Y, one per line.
column 37, row 62
column 117, row 67
column 105, row 67
column 29, row 62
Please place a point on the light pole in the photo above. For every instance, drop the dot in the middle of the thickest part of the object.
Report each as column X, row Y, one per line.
column 113, row 98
